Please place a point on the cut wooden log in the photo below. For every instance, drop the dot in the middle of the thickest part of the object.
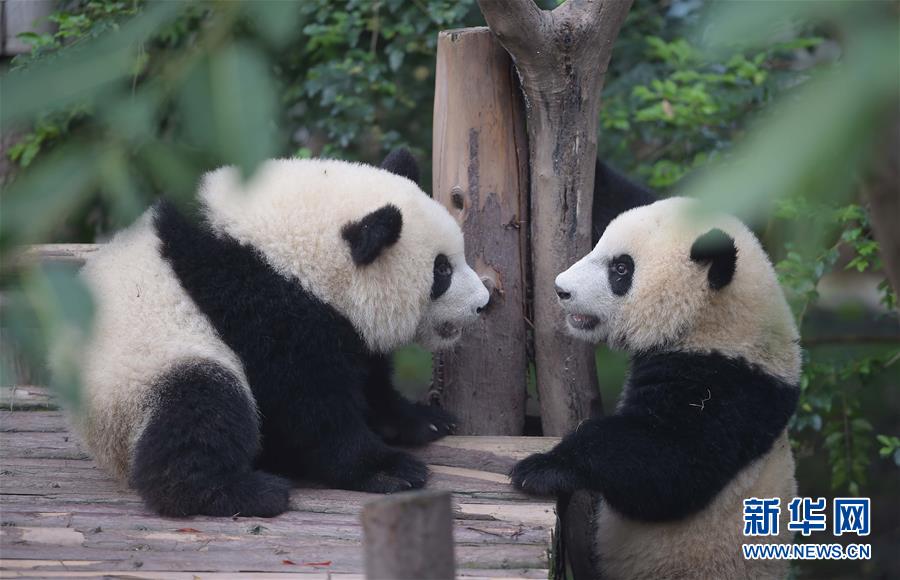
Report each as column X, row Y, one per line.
column 480, row 175
column 409, row 536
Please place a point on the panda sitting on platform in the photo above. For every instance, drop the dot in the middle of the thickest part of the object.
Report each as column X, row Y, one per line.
column 256, row 340
column 701, row 424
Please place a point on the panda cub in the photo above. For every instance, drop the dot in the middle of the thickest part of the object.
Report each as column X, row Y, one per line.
column 253, row 345
column 714, row 377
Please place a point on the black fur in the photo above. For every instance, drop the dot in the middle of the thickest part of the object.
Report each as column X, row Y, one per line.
column 687, row 424
column 318, row 389
column 390, row 410
column 443, row 276
column 620, row 283
column 401, row 162
column 196, row 454
column 372, row 234
column 613, row 194
column 717, row 249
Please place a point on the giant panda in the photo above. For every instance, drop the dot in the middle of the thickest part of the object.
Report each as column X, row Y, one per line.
column 701, row 423
column 250, row 346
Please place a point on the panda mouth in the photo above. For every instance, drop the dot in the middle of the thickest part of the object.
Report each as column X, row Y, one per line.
column 582, row 321
column 447, row 330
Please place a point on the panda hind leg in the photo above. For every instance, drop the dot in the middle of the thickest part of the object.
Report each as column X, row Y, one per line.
column 195, row 456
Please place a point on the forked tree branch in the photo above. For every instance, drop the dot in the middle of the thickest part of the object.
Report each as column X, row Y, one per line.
column 546, row 44
column 561, row 56
column 522, row 27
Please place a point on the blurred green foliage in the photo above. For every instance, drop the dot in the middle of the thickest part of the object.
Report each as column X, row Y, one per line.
column 152, row 94
column 129, row 99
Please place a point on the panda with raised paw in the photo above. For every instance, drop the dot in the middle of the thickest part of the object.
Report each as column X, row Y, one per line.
column 701, row 424
column 252, row 345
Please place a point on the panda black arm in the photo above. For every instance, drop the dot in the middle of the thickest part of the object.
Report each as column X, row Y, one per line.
column 687, row 425
column 318, row 430
column 396, row 419
column 642, row 474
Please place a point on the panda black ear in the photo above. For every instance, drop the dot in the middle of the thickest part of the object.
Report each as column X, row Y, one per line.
column 613, row 194
column 717, row 249
column 369, row 236
column 401, row 162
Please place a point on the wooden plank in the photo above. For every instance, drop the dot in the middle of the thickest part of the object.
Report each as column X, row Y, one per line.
column 291, row 525
column 74, row 254
column 62, row 515
column 480, row 176
column 127, row 554
column 26, row 397
column 24, row 570
column 40, row 422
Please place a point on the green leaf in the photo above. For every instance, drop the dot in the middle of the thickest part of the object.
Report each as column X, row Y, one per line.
column 171, row 167
column 744, row 24
column 276, row 20
column 49, row 317
column 83, row 73
column 757, row 172
column 243, row 106
column 40, row 198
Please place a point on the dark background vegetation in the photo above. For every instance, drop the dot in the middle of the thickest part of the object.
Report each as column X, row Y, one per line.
column 129, row 100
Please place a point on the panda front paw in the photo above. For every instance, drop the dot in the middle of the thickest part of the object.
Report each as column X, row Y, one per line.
column 420, row 424
column 395, row 472
column 545, row 474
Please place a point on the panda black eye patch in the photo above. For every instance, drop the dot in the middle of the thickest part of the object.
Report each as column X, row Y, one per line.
column 443, row 274
column 621, row 272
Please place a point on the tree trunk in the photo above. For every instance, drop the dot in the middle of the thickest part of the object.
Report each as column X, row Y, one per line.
column 561, row 57
column 480, row 175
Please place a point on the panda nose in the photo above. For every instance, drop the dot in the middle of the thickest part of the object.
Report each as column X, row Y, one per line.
column 489, row 285
column 480, row 309
column 563, row 295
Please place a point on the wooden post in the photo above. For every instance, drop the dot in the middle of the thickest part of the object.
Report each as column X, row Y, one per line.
column 409, row 536
column 23, row 16
column 480, row 175
column 561, row 56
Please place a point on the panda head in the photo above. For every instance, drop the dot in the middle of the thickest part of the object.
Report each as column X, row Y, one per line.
column 669, row 276
column 364, row 240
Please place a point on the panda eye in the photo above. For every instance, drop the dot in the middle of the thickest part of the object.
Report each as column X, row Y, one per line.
column 620, row 268
column 443, row 275
column 442, row 267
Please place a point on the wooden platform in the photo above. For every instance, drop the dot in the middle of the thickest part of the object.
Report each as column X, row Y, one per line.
column 64, row 517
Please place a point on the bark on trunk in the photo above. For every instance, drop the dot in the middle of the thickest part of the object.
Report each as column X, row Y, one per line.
column 561, row 56
column 480, row 175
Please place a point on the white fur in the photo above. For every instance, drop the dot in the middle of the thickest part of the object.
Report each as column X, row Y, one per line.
column 144, row 324
column 671, row 305
column 707, row 544
column 292, row 211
